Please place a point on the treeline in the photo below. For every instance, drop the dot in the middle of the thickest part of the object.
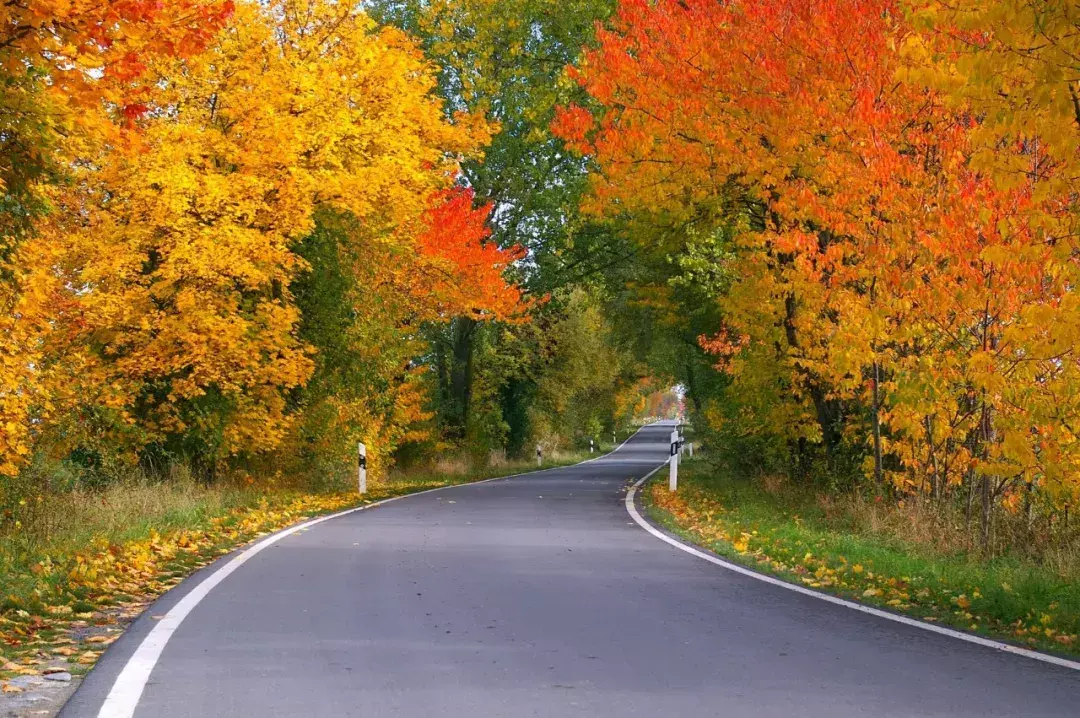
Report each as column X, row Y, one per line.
column 239, row 237
column 870, row 215
column 244, row 236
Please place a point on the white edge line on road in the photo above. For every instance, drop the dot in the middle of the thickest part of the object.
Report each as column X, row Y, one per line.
column 126, row 691
column 897, row 618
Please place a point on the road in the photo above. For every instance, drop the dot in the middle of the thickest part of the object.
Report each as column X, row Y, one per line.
column 538, row 596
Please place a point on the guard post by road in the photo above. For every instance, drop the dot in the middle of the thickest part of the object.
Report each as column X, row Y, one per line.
column 539, row 455
column 361, row 468
column 673, row 463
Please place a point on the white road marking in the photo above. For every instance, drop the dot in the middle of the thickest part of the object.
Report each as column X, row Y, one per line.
column 128, row 688
column 978, row 640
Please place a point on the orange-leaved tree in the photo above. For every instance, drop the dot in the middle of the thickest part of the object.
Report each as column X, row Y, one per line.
column 886, row 289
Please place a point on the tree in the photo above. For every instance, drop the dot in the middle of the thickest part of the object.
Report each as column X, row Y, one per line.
column 69, row 69
column 178, row 250
column 73, row 77
column 507, row 60
column 886, row 288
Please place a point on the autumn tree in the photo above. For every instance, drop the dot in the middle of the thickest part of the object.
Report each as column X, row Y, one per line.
column 889, row 291
column 180, row 334
column 1011, row 67
column 71, row 67
column 73, row 77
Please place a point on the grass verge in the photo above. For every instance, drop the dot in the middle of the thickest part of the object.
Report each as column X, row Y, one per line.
column 87, row 563
column 798, row 536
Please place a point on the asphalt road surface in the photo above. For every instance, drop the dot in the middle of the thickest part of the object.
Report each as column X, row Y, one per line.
column 538, row 596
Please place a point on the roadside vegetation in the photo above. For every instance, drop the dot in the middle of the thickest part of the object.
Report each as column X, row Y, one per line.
column 905, row 556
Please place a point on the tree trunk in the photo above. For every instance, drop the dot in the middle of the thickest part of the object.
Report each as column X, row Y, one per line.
column 935, row 473
column 970, row 496
column 829, row 412
column 987, row 483
column 461, row 375
column 878, row 472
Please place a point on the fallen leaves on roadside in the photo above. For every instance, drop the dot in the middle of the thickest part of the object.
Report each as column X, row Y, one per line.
column 108, row 584
column 88, row 658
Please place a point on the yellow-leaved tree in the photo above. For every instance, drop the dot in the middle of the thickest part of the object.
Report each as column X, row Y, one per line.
column 72, row 74
column 177, row 327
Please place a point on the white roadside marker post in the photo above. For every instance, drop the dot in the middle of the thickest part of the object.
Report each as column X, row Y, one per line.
column 614, row 440
column 690, row 448
column 539, row 456
column 673, row 463
column 590, row 446
column 361, row 468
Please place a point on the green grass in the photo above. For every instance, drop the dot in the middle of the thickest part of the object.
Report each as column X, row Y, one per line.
column 875, row 554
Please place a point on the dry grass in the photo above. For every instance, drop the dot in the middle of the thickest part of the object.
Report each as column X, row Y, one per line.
column 944, row 529
column 449, row 466
column 119, row 511
column 773, row 484
column 936, row 528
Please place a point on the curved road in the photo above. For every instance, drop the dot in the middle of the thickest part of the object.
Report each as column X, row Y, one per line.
column 538, row 596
